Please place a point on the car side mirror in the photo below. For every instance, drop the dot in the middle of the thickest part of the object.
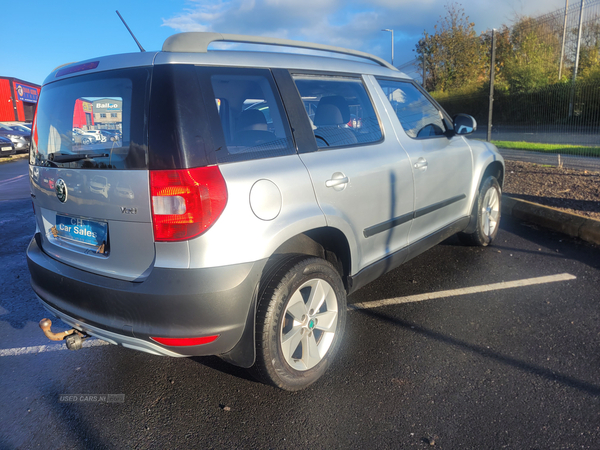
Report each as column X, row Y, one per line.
column 464, row 124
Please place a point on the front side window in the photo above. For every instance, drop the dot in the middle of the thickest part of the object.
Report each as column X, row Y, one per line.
column 251, row 114
column 418, row 116
column 340, row 110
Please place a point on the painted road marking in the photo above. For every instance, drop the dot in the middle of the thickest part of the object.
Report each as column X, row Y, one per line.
column 462, row 291
column 48, row 348
column 355, row 307
column 12, row 180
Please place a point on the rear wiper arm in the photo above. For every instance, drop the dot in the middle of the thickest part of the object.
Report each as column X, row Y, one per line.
column 72, row 158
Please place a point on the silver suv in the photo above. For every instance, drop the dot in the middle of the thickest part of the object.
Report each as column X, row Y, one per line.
column 262, row 189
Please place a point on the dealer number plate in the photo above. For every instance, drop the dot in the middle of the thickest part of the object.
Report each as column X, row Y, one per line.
column 84, row 231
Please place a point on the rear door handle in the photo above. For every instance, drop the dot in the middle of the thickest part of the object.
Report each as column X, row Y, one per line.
column 338, row 181
column 421, row 164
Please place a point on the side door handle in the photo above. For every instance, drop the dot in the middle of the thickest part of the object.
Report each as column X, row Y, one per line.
column 421, row 164
column 338, row 181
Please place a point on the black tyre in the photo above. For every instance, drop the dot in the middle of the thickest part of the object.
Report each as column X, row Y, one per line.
column 489, row 206
column 300, row 322
column 86, row 141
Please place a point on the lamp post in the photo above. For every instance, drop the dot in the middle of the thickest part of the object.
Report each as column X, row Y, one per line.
column 391, row 31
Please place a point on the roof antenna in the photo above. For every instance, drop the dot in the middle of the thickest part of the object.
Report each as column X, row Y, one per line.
column 130, row 32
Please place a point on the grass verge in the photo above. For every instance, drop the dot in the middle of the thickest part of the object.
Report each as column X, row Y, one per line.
column 549, row 148
column 13, row 157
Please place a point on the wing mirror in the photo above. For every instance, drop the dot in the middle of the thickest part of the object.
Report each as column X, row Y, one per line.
column 464, row 124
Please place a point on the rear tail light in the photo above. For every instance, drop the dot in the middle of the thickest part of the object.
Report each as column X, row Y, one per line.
column 187, row 202
column 185, row 342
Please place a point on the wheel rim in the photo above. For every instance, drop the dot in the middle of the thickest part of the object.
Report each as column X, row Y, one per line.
column 309, row 324
column 490, row 211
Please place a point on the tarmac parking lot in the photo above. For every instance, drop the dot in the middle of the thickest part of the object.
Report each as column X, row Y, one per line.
column 461, row 347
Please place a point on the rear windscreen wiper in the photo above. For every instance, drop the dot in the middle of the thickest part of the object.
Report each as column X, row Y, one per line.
column 59, row 158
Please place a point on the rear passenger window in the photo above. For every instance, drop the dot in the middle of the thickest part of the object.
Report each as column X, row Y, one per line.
column 340, row 110
column 418, row 116
column 251, row 114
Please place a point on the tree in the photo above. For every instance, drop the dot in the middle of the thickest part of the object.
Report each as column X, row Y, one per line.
column 454, row 54
column 531, row 61
column 589, row 54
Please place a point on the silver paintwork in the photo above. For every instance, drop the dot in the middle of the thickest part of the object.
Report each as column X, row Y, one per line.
column 174, row 255
column 484, row 154
column 265, row 200
column 239, row 236
column 93, row 196
column 302, row 347
column 106, row 63
column 442, row 169
column 232, row 59
column 379, row 188
column 292, row 61
column 199, row 42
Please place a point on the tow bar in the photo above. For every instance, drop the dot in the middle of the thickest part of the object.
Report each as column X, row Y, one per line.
column 73, row 338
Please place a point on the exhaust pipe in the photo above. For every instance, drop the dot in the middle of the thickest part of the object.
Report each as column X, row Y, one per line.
column 73, row 338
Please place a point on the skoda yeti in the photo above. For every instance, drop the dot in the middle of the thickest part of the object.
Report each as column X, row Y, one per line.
column 261, row 189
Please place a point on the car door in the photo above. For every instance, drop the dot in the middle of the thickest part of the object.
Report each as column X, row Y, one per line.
column 442, row 162
column 362, row 178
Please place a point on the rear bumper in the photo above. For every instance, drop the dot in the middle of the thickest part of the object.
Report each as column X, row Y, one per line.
column 10, row 149
column 173, row 303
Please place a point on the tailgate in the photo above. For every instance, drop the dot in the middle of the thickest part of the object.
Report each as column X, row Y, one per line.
column 104, row 226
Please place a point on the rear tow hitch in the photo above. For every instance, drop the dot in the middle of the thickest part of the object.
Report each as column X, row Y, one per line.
column 73, row 338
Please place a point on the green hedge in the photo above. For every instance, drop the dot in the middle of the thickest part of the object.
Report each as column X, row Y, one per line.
column 545, row 106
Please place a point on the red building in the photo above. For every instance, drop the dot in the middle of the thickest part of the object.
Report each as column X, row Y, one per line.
column 18, row 100
column 83, row 113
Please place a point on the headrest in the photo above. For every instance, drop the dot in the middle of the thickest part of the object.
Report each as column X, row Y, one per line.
column 252, row 120
column 332, row 110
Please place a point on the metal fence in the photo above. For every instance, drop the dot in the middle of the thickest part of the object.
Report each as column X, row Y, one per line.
column 553, row 96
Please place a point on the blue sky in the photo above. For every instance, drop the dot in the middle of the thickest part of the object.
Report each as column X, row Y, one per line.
column 39, row 35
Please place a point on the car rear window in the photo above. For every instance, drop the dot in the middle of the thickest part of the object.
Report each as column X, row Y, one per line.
column 96, row 121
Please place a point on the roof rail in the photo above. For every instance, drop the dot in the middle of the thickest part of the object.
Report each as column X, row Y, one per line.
column 198, row 42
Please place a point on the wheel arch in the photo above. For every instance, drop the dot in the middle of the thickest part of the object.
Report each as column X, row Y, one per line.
column 328, row 243
column 495, row 169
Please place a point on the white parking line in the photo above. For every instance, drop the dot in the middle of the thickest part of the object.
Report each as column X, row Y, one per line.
column 463, row 291
column 353, row 307
column 48, row 348
column 12, row 180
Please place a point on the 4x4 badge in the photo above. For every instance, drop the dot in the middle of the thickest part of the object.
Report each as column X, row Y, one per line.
column 61, row 190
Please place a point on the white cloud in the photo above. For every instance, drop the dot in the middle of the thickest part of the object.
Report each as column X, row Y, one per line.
column 346, row 23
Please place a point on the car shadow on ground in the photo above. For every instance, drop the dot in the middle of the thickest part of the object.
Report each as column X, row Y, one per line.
column 218, row 364
column 486, row 352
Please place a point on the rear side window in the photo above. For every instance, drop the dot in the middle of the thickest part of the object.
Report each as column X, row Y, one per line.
column 418, row 116
column 95, row 121
column 250, row 112
column 340, row 110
